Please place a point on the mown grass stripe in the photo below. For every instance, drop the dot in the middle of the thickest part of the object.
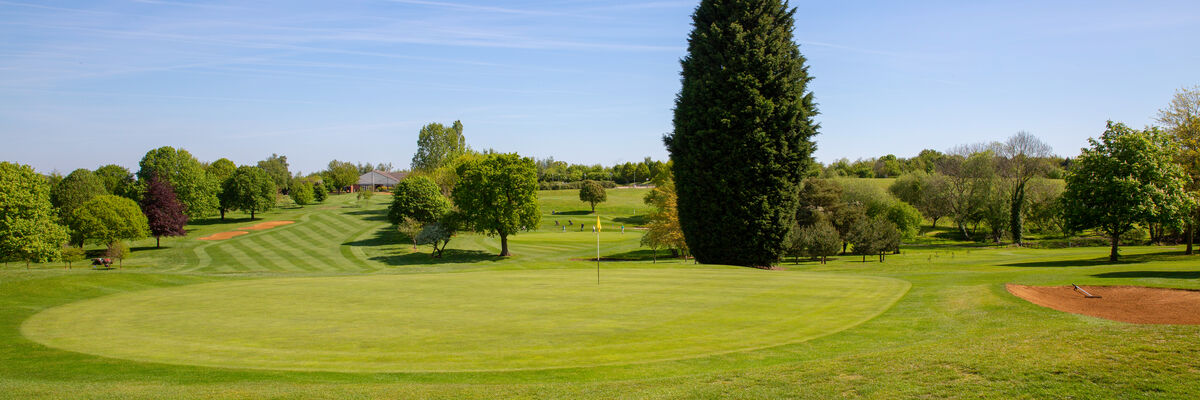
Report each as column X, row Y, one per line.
column 316, row 253
column 253, row 259
column 223, row 260
column 288, row 256
column 331, row 227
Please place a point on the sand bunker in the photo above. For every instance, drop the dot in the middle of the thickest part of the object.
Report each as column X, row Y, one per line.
column 266, row 225
column 1134, row 304
column 242, row 231
column 224, row 235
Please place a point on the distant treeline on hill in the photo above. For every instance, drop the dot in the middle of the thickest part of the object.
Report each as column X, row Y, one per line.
column 890, row 166
column 553, row 174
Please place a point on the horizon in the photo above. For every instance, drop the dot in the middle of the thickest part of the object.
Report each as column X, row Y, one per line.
column 586, row 83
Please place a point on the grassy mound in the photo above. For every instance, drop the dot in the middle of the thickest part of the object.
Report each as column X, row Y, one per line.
column 495, row 320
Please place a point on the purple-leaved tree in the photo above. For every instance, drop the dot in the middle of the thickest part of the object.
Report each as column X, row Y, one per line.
column 163, row 210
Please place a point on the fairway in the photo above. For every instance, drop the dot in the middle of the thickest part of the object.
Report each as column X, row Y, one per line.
column 476, row 321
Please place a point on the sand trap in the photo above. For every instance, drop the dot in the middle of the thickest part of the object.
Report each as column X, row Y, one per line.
column 266, row 225
column 224, row 235
column 1134, row 304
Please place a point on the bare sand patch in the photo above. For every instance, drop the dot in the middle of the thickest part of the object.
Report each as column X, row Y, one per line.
column 266, row 225
column 224, row 235
column 1133, row 304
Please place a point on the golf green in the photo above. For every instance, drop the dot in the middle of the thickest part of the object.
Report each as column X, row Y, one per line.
column 475, row 321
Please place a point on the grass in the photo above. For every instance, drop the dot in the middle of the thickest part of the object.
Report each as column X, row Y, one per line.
column 479, row 321
column 955, row 333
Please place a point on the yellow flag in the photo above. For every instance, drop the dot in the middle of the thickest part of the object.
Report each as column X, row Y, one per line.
column 597, row 223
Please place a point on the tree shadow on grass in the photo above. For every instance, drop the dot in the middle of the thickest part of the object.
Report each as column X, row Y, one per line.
column 635, row 220
column 219, row 221
column 404, row 256
column 449, row 256
column 637, row 255
column 577, row 212
column 1091, row 262
column 371, row 215
column 1151, row 274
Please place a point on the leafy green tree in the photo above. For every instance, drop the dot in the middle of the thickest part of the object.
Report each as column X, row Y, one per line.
column 927, row 192
column 743, row 129
column 71, row 255
column 364, row 196
column 438, row 145
column 1022, row 158
column 820, row 239
column 249, row 189
column 872, row 236
column 845, row 219
column 887, row 167
column 592, row 192
column 110, row 219
column 75, row 189
column 438, row 234
column 28, row 227
column 418, row 198
column 117, row 180
column 119, row 251
column 410, row 228
column 906, row 218
column 874, row 199
column 497, row 195
column 319, row 191
column 819, row 199
column 1045, row 212
column 71, row 192
column 970, row 180
column 276, row 167
column 1181, row 119
column 301, row 192
column 340, row 175
column 1126, row 177
column 663, row 229
column 219, row 171
column 194, row 187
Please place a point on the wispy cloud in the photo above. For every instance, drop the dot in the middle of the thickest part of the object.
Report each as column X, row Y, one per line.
column 475, row 8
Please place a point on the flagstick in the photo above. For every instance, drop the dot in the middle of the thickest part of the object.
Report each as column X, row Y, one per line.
column 597, row 255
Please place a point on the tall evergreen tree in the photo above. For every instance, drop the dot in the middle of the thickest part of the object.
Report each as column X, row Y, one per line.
column 163, row 210
column 743, row 129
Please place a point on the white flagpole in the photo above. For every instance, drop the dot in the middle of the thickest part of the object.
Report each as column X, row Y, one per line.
column 597, row 254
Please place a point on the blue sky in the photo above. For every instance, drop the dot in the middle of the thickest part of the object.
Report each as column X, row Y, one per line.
column 94, row 82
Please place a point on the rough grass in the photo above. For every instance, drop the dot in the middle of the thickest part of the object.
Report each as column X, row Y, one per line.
column 955, row 334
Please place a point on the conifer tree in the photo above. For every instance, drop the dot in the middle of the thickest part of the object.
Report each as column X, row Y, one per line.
column 743, row 129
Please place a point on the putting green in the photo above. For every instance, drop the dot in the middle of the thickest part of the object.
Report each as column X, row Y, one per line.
column 477, row 321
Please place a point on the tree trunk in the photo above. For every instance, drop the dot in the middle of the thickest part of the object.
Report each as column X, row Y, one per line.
column 222, row 214
column 504, row 245
column 844, row 244
column 1189, row 233
column 1112, row 256
column 935, row 223
column 593, row 208
column 962, row 228
column 1015, row 220
column 823, row 259
column 252, row 215
column 158, row 242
